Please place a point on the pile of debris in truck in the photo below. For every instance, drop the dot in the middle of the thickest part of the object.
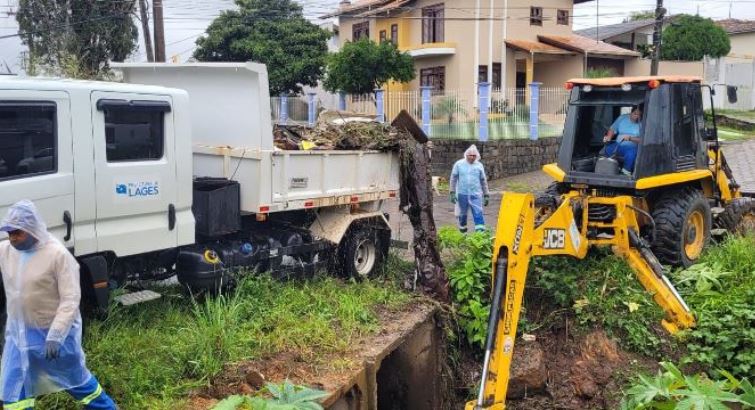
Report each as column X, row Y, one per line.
column 337, row 130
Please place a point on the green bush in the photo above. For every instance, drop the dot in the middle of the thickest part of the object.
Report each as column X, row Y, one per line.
column 721, row 291
column 671, row 389
column 469, row 271
column 286, row 396
column 602, row 291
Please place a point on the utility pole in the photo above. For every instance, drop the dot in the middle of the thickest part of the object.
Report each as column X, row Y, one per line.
column 145, row 29
column 657, row 31
column 157, row 10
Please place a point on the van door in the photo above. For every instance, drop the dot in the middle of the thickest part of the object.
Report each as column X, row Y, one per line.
column 135, row 172
column 36, row 154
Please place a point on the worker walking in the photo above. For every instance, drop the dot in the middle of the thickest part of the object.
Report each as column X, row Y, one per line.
column 42, row 352
column 469, row 189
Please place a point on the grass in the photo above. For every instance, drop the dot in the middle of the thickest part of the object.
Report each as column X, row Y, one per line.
column 149, row 356
column 747, row 115
column 731, row 134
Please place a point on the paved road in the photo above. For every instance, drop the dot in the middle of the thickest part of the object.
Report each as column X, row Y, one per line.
column 444, row 209
column 741, row 158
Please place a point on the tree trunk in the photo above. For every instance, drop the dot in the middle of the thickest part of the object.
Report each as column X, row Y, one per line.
column 417, row 203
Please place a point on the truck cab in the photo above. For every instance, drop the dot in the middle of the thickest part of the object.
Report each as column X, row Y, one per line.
column 672, row 129
column 100, row 161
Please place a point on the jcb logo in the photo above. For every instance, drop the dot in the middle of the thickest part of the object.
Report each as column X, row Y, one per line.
column 554, row 239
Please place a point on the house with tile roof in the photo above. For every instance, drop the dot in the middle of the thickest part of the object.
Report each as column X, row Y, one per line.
column 458, row 43
column 635, row 35
column 742, row 36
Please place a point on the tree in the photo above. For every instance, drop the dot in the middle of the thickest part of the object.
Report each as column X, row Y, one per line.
column 600, row 72
column 362, row 66
column 690, row 38
column 76, row 38
column 272, row 32
column 640, row 15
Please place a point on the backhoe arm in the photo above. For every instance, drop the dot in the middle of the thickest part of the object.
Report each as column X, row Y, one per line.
column 517, row 240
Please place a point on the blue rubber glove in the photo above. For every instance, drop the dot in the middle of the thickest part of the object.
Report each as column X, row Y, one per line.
column 486, row 200
column 452, row 197
column 52, row 350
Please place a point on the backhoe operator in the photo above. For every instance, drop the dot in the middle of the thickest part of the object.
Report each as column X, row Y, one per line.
column 624, row 136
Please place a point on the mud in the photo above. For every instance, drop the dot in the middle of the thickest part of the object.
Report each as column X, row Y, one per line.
column 583, row 372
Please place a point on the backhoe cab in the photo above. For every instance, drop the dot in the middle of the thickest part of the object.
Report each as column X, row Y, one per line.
column 661, row 213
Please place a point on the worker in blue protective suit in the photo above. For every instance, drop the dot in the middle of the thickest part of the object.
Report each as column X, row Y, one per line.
column 469, row 189
column 624, row 137
column 42, row 352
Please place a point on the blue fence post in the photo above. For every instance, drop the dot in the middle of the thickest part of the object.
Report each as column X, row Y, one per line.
column 534, row 110
column 380, row 100
column 341, row 101
column 311, row 109
column 283, row 114
column 484, row 110
column 426, row 93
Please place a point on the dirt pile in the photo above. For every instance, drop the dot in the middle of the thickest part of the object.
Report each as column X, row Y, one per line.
column 584, row 372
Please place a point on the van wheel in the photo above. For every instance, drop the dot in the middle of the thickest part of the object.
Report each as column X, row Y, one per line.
column 683, row 223
column 361, row 253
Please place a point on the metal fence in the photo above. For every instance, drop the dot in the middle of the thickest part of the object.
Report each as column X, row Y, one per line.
column 453, row 114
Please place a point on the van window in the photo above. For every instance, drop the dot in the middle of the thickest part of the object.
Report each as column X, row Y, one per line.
column 28, row 138
column 134, row 134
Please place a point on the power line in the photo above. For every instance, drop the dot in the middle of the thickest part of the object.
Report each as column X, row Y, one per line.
column 54, row 28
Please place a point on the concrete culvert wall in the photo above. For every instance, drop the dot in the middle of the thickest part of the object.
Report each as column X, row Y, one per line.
column 408, row 378
column 402, row 370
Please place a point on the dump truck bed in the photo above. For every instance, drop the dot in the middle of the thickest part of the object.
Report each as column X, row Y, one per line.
column 232, row 137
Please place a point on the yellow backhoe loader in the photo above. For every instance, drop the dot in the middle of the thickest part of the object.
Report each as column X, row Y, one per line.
column 660, row 212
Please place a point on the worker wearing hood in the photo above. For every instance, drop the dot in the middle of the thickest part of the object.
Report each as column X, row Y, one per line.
column 42, row 352
column 469, row 188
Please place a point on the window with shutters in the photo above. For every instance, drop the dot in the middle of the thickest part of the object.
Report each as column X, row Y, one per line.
column 360, row 30
column 536, row 16
column 434, row 77
column 394, row 34
column 482, row 73
column 432, row 24
column 497, row 75
column 383, row 36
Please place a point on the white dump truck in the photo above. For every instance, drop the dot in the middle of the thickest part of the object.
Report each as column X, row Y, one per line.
column 174, row 172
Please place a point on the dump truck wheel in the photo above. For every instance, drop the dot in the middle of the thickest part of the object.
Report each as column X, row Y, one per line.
column 361, row 252
column 682, row 226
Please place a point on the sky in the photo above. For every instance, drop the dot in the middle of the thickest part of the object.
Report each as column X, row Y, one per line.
column 186, row 20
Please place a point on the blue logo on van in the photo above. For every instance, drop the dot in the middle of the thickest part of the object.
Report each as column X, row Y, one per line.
column 138, row 189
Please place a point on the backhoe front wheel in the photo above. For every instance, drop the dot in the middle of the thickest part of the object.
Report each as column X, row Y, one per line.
column 683, row 220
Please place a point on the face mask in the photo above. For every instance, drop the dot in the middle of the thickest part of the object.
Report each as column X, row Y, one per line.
column 27, row 244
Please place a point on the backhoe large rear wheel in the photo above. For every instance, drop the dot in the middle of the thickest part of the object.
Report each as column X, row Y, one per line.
column 682, row 226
